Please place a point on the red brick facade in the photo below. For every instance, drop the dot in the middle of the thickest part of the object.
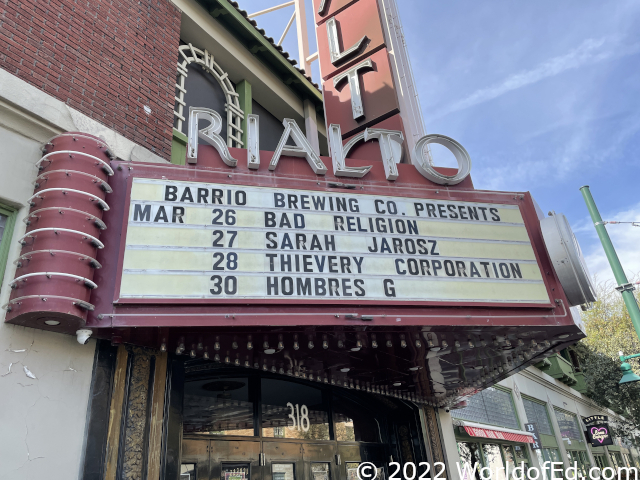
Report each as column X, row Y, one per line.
column 108, row 59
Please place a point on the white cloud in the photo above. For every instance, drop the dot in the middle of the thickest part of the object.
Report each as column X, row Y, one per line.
column 625, row 238
column 589, row 52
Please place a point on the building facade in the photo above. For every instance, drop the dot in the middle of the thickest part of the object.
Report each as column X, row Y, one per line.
column 167, row 172
column 490, row 429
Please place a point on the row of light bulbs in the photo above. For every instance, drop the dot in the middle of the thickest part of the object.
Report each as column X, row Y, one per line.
column 383, row 390
column 443, row 345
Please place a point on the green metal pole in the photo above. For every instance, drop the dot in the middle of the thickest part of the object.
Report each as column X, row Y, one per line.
column 624, row 287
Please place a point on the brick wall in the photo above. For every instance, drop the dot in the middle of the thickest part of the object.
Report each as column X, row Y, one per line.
column 108, row 59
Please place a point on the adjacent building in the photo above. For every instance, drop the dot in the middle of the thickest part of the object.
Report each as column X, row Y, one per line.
column 490, row 428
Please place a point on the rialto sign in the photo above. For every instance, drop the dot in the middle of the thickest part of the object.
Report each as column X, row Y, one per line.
column 390, row 142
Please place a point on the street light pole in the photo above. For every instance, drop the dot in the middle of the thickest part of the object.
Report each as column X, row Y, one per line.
column 627, row 374
column 624, row 286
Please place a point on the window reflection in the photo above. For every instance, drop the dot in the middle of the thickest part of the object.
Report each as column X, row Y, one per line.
column 549, row 455
column 537, row 412
column 493, row 460
column 568, row 425
column 470, row 456
column 218, row 406
column 293, row 410
column 353, row 423
column 492, row 406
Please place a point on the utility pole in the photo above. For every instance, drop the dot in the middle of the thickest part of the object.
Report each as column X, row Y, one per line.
column 624, row 286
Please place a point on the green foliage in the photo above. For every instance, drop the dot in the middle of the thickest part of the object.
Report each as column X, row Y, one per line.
column 609, row 331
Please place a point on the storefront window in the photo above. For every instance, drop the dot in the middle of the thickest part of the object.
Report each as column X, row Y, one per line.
column 549, row 455
column 218, row 407
column 580, row 458
column 492, row 406
column 515, row 456
column 568, row 425
column 600, row 461
column 537, row 413
column 493, row 456
column 353, row 423
column 615, row 459
column 469, row 456
column 293, row 410
column 493, row 460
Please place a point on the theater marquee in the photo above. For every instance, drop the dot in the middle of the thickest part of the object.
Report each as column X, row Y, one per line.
column 195, row 240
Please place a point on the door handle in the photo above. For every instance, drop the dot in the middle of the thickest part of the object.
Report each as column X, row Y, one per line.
column 262, row 461
column 338, row 459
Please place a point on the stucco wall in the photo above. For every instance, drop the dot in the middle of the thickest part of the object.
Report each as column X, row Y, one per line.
column 42, row 419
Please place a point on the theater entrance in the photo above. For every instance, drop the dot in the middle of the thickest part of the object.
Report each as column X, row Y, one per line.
column 262, row 427
column 275, row 460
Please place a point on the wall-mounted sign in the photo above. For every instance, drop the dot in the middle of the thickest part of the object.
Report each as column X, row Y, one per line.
column 593, row 419
column 532, row 428
column 599, row 435
column 192, row 240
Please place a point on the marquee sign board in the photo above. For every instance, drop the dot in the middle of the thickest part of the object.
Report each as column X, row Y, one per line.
column 213, row 241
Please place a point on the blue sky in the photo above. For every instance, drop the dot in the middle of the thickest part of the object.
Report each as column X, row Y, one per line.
column 544, row 95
